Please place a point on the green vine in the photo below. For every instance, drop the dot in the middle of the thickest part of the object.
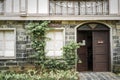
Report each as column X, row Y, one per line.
column 37, row 32
column 69, row 52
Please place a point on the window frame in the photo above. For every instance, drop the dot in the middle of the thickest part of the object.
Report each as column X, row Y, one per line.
column 63, row 31
column 14, row 30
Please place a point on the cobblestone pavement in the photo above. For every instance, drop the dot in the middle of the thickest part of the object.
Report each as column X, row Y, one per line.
column 98, row 76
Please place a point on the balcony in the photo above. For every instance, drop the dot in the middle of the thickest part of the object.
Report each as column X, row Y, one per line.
column 59, row 10
column 79, row 7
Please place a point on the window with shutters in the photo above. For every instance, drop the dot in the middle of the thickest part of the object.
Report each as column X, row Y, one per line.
column 1, row 6
column 55, row 43
column 7, row 44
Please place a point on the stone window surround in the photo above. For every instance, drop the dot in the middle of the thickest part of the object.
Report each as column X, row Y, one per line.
column 14, row 30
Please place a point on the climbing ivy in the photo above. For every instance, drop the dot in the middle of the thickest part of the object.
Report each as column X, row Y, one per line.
column 69, row 52
column 37, row 32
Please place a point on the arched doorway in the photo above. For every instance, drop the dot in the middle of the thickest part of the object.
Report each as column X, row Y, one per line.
column 95, row 48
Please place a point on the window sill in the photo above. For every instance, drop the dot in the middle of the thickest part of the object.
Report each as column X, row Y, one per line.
column 4, row 58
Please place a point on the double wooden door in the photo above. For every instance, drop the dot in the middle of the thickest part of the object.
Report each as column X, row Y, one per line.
column 94, row 50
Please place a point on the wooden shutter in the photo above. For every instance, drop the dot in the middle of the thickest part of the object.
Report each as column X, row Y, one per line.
column 7, row 43
column 54, row 45
column 58, row 43
column 49, row 44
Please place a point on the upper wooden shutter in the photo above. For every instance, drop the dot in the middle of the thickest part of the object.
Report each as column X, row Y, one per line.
column 7, row 43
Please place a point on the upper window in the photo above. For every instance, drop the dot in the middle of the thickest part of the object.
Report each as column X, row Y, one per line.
column 1, row 6
column 55, row 44
column 78, row 7
column 7, row 43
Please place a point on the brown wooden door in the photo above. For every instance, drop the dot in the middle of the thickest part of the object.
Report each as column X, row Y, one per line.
column 82, row 52
column 100, row 50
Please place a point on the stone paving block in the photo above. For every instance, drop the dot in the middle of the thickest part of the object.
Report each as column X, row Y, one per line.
column 98, row 76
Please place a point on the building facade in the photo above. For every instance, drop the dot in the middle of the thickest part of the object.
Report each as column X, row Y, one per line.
column 94, row 23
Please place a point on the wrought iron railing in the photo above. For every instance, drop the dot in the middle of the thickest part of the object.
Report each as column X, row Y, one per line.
column 79, row 7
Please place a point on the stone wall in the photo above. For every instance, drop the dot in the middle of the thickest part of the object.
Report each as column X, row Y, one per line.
column 116, row 43
column 22, row 43
column 69, row 33
column 115, row 35
column 23, row 46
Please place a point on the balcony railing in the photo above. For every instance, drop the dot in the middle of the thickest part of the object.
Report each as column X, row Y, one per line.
column 79, row 7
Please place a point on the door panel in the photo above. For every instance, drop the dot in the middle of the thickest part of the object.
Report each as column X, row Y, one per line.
column 82, row 52
column 101, row 58
column 100, row 67
column 100, row 50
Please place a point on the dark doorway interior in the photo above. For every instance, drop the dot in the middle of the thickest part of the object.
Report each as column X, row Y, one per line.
column 86, row 51
column 89, row 50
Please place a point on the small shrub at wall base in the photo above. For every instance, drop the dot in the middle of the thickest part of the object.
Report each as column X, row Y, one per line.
column 53, row 64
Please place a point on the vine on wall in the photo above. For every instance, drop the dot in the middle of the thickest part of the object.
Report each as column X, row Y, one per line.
column 37, row 32
column 69, row 52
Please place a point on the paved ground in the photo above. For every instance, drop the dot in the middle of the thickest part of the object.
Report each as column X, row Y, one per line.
column 98, row 76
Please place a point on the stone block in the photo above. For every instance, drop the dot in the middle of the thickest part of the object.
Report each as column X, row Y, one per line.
column 15, row 68
column 22, row 63
column 25, row 55
column 71, row 37
column 72, row 22
column 28, row 67
column 114, row 54
column 28, row 45
column 21, row 51
column 69, row 33
column 116, row 68
column 4, row 68
column 115, row 37
column 11, row 63
column 21, row 42
column 21, row 38
column 23, row 46
column 1, row 63
column 65, row 22
column 118, row 49
column 18, row 55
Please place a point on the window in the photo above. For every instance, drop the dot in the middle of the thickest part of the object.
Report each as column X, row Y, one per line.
column 55, row 44
column 1, row 6
column 7, row 43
